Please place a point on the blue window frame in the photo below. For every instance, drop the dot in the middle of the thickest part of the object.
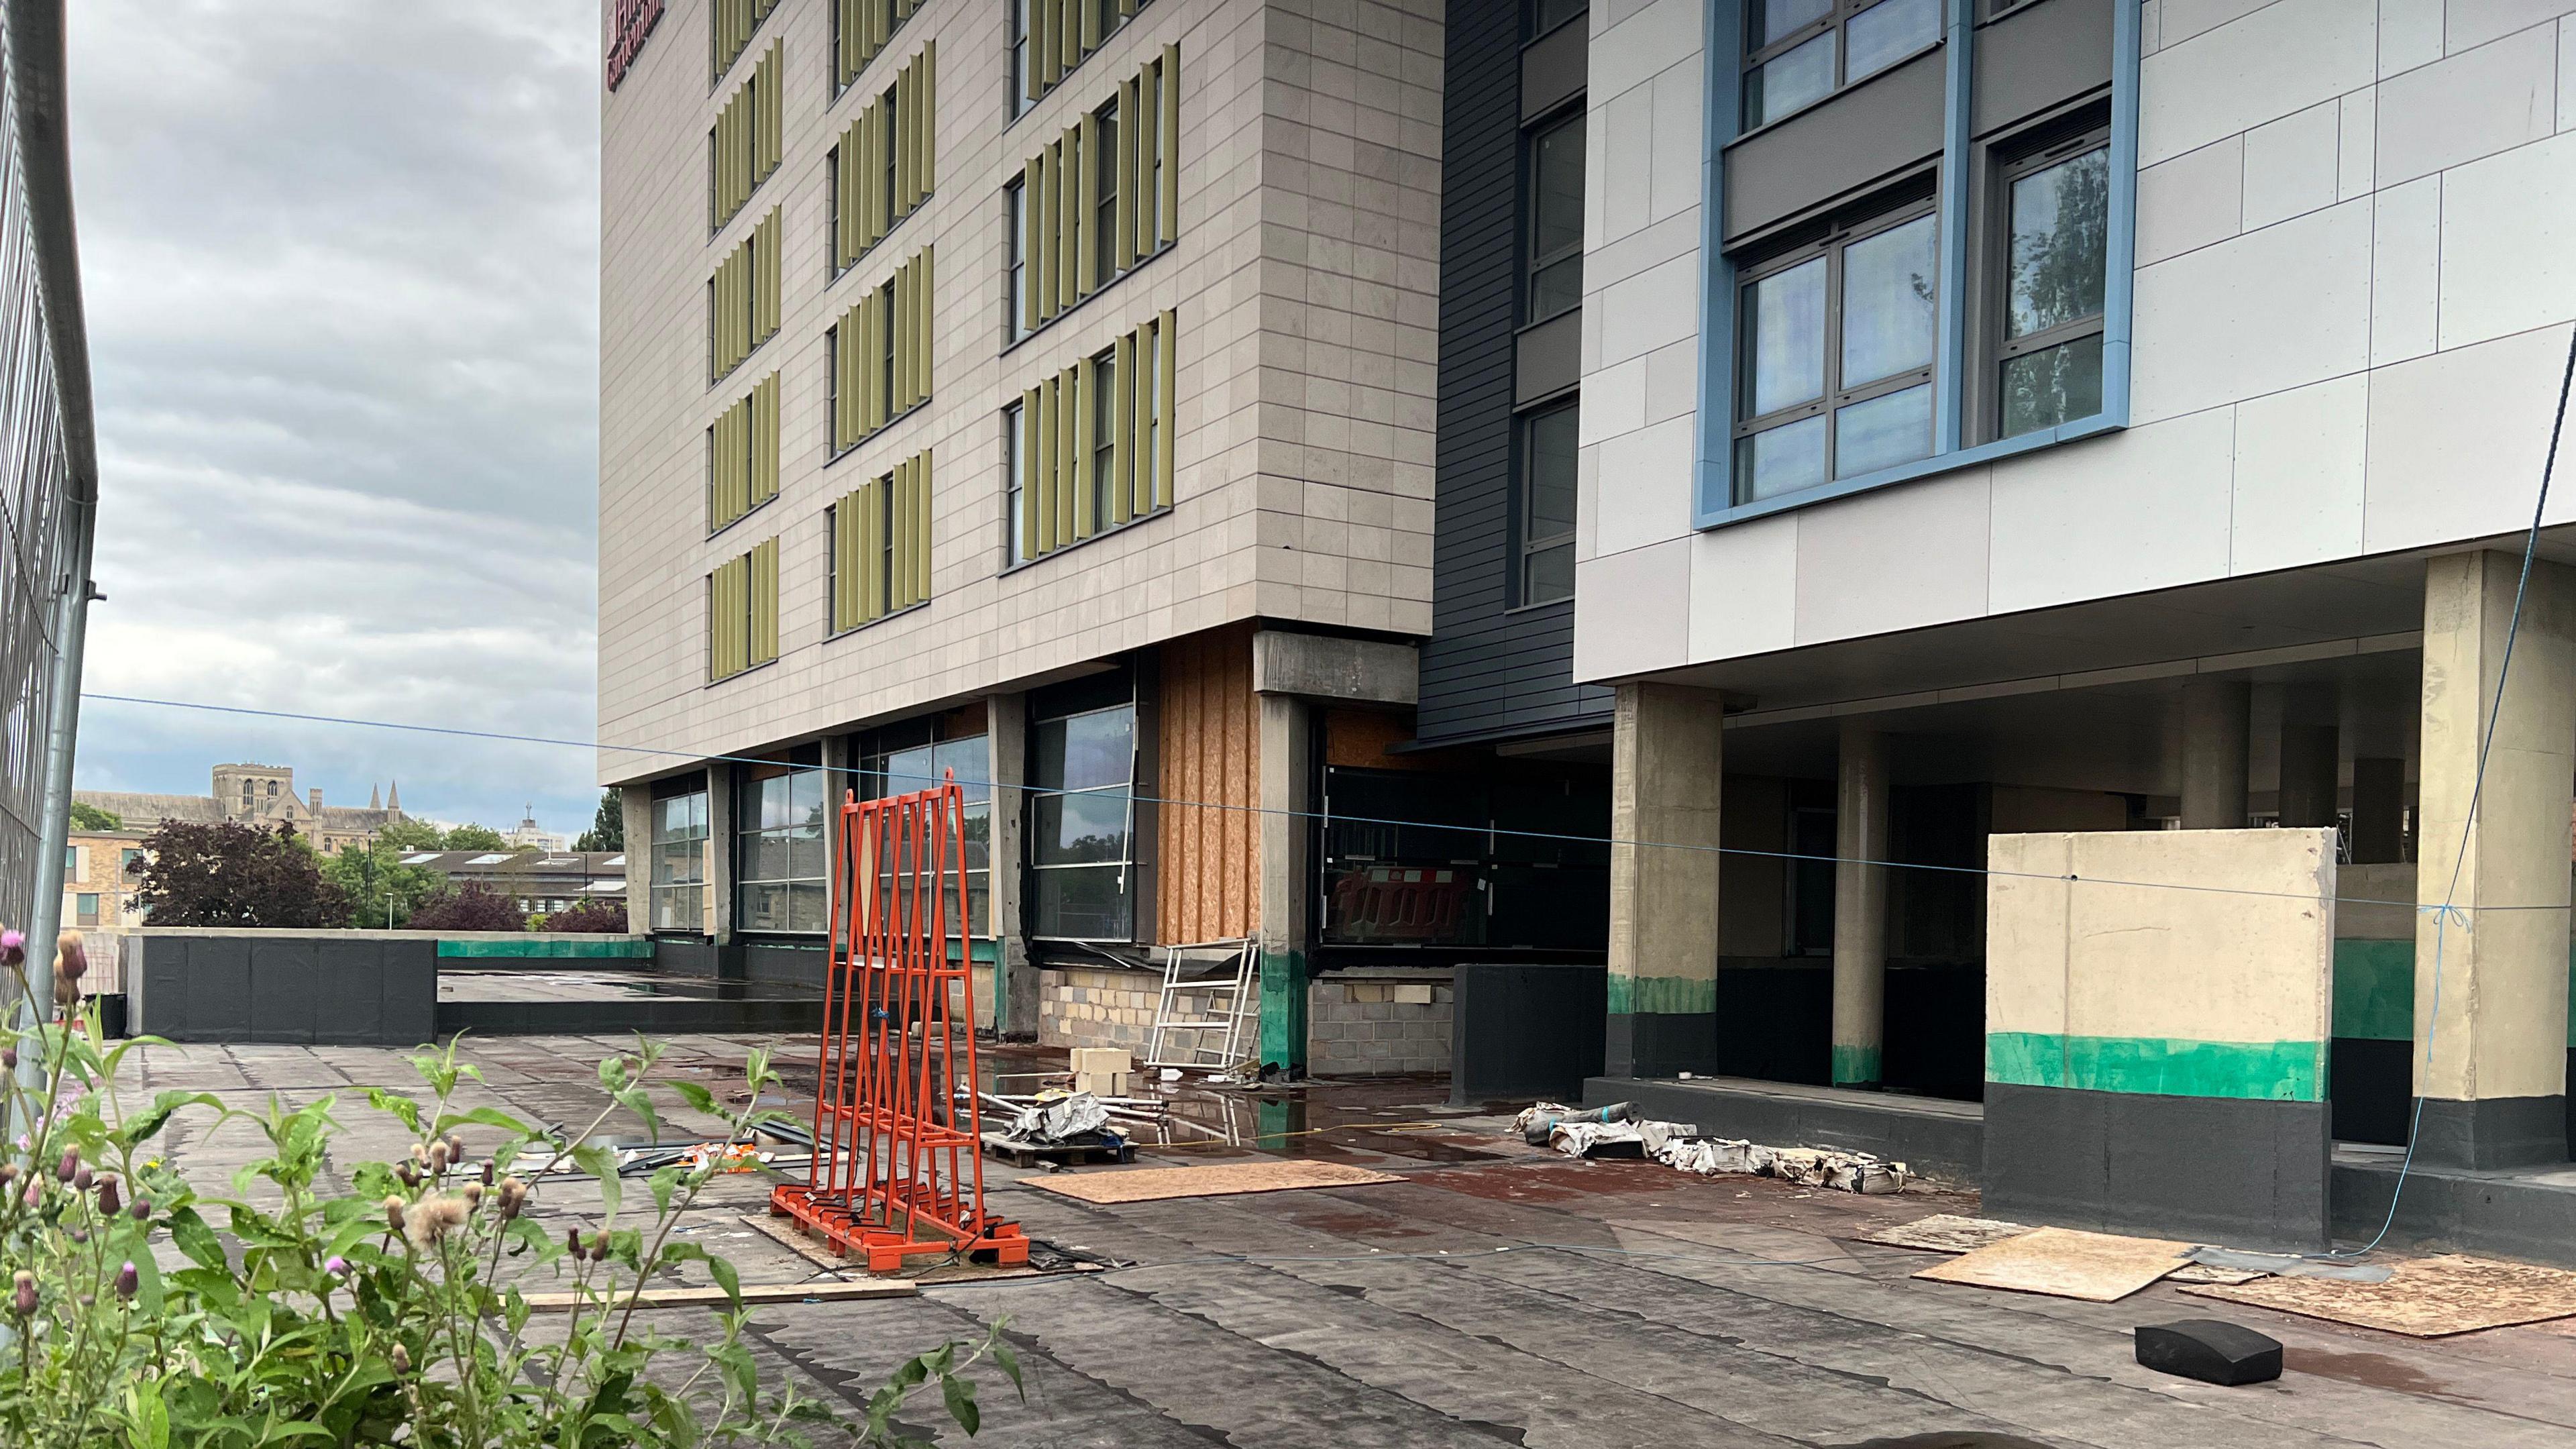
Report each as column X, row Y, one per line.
column 2059, row 368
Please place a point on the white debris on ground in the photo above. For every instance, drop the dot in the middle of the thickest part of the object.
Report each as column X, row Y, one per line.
column 1614, row 1131
column 1060, row 1120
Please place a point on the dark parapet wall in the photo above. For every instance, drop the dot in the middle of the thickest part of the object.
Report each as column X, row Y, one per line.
column 324, row 988
column 2226, row 1170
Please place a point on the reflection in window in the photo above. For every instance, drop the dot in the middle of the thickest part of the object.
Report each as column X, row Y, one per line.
column 918, row 754
column 1081, row 815
column 1547, row 505
column 1555, row 210
column 1510, row 856
column 1797, row 52
column 1838, row 346
column 680, row 862
column 2053, row 286
column 779, row 845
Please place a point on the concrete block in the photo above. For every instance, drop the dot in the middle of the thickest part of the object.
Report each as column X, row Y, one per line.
column 1412, row 993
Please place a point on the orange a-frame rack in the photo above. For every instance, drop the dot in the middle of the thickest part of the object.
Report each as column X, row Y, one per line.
column 898, row 1166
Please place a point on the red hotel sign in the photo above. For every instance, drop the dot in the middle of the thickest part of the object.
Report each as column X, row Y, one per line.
column 635, row 21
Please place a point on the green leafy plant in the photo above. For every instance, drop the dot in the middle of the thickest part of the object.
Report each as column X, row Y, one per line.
column 390, row 1314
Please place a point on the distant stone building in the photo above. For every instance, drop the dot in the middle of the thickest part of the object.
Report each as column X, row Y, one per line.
column 261, row 795
column 542, row 882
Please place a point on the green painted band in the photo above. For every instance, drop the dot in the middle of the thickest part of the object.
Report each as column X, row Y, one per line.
column 587, row 948
column 2374, row 990
column 1662, row 995
column 1855, row 1065
column 1283, row 1009
column 2268, row 1071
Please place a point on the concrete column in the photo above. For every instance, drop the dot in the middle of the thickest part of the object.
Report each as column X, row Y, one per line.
column 1666, row 767
column 2495, row 1088
column 1285, row 765
column 2378, row 811
column 1015, row 980
column 635, row 803
column 2215, row 730
column 720, row 871
column 1860, row 907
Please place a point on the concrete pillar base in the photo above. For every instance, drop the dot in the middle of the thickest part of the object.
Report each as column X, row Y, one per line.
column 2492, row 1134
column 1665, row 772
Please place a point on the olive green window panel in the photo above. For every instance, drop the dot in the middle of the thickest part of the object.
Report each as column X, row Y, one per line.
column 764, row 602
column 729, row 29
column 1062, row 184
column 881, row 351
column 729, row 618
column 1060, row 423
column 1063, row 33
column 747, row 139
column 742, row 298
column 882, row 168
column 742, row 455
column 860, row 30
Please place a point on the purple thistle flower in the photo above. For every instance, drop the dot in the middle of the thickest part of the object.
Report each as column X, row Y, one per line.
column 127, row 1280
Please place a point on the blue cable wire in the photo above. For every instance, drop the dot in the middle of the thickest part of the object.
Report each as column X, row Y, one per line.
column 2449, row 910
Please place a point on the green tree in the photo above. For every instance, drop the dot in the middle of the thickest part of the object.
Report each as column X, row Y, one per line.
column 227, row 874
column 90, row 817
column 476, row 837
column 383, row 891
column 412, row 835
column 608, row 827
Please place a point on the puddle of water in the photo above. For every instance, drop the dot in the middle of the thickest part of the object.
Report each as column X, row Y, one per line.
column 2373, row 1370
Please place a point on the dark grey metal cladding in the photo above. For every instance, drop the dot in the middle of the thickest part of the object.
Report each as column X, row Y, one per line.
column 1837, row 147
column 2038, row 56
column 1548, row 358
column 1526, row 1031
column 2222, row 1169
column 1486, row 668
column 1552, row 67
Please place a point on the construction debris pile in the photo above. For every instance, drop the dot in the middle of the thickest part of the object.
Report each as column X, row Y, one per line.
column 1616, row 1131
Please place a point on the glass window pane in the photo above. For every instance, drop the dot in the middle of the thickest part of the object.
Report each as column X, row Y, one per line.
column 807, row 909
column 966, row 756
column 1551, row 463
column 2060, row 228
column 1556, row 287
column 1785, row 313
column 2053, row 385
column 1086, row 902
column 805, row 854
column 1784, row 83
column 1551, row 575
column 1888, row 306
column 1096, row 749
column 1553, row 13
column 1882, row 432
column 1080, row 828
column 1781, row 460
column 908, row 770
column 1775, row 18
column 1888, row 32
column 1556, row 190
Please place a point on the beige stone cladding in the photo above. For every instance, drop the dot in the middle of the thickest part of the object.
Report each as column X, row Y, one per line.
column 1304, row 284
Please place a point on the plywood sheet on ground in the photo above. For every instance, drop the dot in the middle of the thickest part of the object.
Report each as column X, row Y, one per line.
column 1153, row 1184
column 2065, row 1263
column 2423, row 1298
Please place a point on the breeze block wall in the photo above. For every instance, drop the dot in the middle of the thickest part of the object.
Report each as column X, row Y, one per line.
column 2157, row 1015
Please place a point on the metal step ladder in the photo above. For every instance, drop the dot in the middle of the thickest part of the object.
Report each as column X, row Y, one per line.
column 1208, row 1018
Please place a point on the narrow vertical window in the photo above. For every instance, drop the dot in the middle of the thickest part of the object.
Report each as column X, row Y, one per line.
column 1019, row 62
column 1555, row 209
column 2058, row 239
column 1016, row 301
column 1546, row 521
column 1104, row 232
column 1104, row 440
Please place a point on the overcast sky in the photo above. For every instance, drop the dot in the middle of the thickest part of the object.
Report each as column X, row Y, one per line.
column 340, row 259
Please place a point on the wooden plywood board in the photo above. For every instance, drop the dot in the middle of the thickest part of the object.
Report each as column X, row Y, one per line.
column 2065, row 1263
column 1153, row 1184
column 1947, row 1233
column 2423, row 1297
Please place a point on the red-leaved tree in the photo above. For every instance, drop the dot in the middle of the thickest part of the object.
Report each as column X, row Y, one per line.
column 470, row 906
column 590, row 915
column 228, row 874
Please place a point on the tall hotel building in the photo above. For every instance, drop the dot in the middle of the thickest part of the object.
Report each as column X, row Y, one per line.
column 1040, row 391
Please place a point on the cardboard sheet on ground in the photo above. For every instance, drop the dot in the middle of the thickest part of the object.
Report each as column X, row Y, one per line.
column 2423, row 1298
column 1953, row 1233
column 1153, row 1184
column 2065, row 1263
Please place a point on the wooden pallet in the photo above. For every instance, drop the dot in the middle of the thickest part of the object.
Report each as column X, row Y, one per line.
column 1020, row 1153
